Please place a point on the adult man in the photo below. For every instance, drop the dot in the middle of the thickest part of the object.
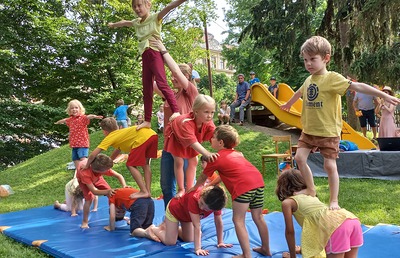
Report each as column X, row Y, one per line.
column 366, row 104
column 242, row 99
column 253, row 78
column 273, row 87
column 195, row 75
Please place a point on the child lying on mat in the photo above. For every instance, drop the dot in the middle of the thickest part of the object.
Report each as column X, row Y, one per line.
column 141, row 209
column 188, row 210
column 92, row 183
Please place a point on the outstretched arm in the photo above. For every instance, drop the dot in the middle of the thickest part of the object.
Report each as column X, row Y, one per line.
column 209, row 157
column 62, row 121
column 169, row 7
column 123, row 23
column 94, row 116
column 367, row 89
column 91, row 157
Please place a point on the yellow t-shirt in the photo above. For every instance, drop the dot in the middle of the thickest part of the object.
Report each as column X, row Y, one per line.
column 126, row 139
column 318, row 223
column 151, row 27
column 322, row 106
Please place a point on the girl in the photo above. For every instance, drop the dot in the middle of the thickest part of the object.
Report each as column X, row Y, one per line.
column 78, row 131
column 224, row 113
column 149, row 26
column 387, row 126
column 188, row 211
column 337, row 231
column 184, row 137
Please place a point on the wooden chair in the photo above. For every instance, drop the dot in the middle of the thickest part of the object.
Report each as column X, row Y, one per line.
column 283, row 150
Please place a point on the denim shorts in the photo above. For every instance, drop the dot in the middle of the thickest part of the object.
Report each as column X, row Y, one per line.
column 78, row 153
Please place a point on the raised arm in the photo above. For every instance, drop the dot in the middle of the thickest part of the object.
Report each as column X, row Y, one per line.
column 367, row 89
column 123, row 23
column 169, row 7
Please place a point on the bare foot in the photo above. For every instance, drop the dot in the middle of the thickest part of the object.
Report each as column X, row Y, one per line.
column 84, row 225
column 94, row 210
column 238, row 256
column 145, row 124
column 150, row 234
column 74, row 214
column 57, row 205
column 174, row 115
column 334, row 205
column 180, row 193
column 263, row 251
column 139, row 195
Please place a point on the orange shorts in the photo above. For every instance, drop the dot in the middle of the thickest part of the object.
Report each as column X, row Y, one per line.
column 138, row 156
column 328, row 146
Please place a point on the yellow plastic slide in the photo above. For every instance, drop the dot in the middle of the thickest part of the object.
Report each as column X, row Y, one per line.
column 260, row 94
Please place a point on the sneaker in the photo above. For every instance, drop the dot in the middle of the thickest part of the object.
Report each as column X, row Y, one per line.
column 241, row 123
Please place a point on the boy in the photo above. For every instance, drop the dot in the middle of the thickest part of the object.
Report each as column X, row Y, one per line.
column 140, row 144
column 141, row 213
column 321, row 114
column 246, row 189
column 91, row 181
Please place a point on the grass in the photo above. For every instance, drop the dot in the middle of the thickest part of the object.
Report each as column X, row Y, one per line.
column 40, row 181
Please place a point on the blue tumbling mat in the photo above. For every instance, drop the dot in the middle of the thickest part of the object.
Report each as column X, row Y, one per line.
column 58, row 234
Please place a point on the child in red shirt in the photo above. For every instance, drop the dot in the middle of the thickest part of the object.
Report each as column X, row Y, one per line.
column 184, row 136
column 92, row 183
column 188, row 211
column 245, row 184
column 77, row 123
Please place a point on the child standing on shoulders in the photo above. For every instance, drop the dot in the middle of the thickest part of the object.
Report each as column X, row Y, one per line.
column 148, row 25
column 188, row 211
column 141, row 146
column 339, row 232
column 321, row 114
column 184, row 136
column 245, row 184
column 92, row 183
column 77, row 123
column 141, row 212
column 224, row 113
column 121, row 114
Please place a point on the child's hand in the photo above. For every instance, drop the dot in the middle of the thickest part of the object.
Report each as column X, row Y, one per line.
column 202, row 252
column 157, row 43
column 222, row 245
column 285, row 255
column 111, row 192
column 392, row 99
column 107, row 228
column 210, row 157
column 285, row 107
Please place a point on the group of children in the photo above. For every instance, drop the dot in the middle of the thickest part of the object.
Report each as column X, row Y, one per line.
column 326, row 228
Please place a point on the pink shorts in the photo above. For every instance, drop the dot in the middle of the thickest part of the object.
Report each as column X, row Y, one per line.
column 138, row 156
column 328, row 146
column 346, row 236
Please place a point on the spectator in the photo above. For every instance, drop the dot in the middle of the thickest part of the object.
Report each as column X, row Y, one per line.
column 273, row 87
column 253, row 78
column 366, row 104
column 195, row 75
column 387, row 127
column 242, row 99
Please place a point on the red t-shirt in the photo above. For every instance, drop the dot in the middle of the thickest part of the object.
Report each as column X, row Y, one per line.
column 78, row 131
column 87, row 176
column 237, row 173
column 183, row 132
column 121, row 198
column 189, row 202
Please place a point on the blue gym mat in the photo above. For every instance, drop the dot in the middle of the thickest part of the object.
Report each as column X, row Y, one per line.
column 58, row 234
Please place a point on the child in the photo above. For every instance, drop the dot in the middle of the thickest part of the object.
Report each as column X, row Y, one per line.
column 245, row 184
column 141, row 213
column 73, row 198
column 188, row 211
column 160, row 118
column 224, row 113
column 141, row 146
column 121, row 114
column 77, row 123
column 321, row 115
column 184, row 137
column 92, row 183
column 387, row 126
column 139, row 119
column 338, row 231
column 147, row 26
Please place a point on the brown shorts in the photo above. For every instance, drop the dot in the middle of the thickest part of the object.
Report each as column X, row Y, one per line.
column 328, row 146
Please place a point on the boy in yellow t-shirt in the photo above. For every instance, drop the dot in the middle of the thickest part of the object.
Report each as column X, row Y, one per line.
column 141, row 146
column 321, row 114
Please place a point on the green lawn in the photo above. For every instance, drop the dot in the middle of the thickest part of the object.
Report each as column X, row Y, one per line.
column 40, row 181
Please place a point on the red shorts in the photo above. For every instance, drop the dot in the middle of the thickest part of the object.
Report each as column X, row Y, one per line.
column 138, row 156
column 346, row 236
column 101, row 184
column 328, row 146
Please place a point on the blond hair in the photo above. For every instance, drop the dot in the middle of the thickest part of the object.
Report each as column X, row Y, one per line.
column 102, row 163
column 120, row 102
column 228, row 135
column 78, row 103
column 186, row 70
column 142, row 1
column 202, row 100
column 316, row 45
column 109, row 124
